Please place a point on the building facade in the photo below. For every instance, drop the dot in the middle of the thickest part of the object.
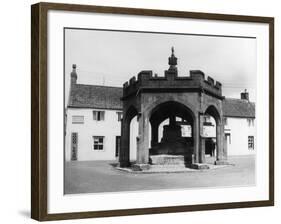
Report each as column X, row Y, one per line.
column 137, row 121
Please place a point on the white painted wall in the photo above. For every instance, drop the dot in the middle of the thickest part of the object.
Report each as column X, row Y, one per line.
column 110, row 127
column 239, row 131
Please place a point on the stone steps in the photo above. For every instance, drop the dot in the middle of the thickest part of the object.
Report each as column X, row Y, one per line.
column 167, row 160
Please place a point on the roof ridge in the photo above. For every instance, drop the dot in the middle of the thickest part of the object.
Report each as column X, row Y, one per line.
column 237, row 99
column 99, row 86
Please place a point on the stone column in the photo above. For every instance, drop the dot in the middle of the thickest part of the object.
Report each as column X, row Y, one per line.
column 202, row 140
column 154, row 133
column 202, row 150
column 220, row 144
column 143, row 140
column 196, row 139
column 225, row 147
column 124, row 154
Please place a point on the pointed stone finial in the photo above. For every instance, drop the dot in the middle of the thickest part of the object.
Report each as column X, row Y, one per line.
column 173, row 61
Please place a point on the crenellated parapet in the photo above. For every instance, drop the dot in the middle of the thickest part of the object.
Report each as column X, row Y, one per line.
column 196, row 81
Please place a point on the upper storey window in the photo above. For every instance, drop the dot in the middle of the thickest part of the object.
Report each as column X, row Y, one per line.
column 98, row 115
column 119, row 116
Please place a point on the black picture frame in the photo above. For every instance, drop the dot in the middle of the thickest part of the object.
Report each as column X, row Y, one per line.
column 39, row 107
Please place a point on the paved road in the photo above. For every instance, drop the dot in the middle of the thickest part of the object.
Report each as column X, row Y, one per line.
column 100, row 176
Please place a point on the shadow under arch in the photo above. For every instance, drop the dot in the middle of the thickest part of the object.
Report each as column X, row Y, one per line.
column 179, row 145
column 173, row 103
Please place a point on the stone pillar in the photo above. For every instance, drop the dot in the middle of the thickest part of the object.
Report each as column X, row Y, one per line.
column 202, row 150
column 124, row 154
column 143, row 140
column 196, row 139
column 154, row 133
column 220, row 144
column 225, row 147
column 202, row 140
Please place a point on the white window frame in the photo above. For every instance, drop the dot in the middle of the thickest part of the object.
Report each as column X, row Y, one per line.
column 98, row 143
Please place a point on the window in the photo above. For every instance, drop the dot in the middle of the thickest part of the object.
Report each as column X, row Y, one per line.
column 250, row 122
column 250, row 142
column 77, row 119
column 119, row 116
column 74, row 145
column 98, row 142
column 228, row 138
column 98, row 115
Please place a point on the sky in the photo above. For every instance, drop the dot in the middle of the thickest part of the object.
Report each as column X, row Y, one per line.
column 111, row 58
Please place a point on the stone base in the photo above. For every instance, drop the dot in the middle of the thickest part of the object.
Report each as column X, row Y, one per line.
column 140, row 167
column 167, row 159
column 221, row 162
column 199, row 166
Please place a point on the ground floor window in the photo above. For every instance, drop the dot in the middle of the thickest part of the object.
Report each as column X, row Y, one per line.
column 98, row 142
column 250, row 142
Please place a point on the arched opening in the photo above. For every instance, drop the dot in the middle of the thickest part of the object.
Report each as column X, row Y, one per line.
column 213, row 141
column 128, row 137
column 172, row 130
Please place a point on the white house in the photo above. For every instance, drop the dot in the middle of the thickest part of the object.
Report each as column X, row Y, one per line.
column 93, row 123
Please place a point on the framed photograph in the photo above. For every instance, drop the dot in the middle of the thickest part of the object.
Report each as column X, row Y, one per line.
column 141, row 111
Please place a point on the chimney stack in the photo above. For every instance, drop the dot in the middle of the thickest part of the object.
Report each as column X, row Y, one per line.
column 245, row 95
column 73, row 75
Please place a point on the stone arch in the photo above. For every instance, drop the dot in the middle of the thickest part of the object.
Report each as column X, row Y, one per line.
column 162, row 111
column 214, row 112
column 155, row 105
column 171, row 110
column 130, row 113
column 124, row 154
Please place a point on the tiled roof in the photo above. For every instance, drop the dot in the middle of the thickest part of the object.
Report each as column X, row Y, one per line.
column 238, row 108
column 91, row 96
column 104, row 97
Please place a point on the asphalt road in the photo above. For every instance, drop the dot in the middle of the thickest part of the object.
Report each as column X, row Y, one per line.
column 101, row 176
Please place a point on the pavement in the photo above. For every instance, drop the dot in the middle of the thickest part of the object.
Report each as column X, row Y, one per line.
column 102, row 176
